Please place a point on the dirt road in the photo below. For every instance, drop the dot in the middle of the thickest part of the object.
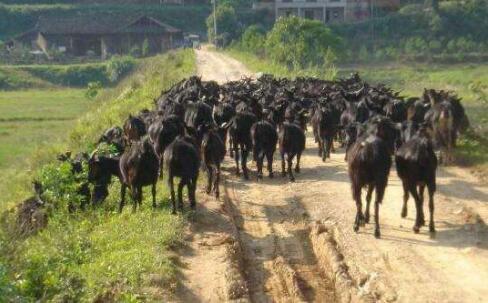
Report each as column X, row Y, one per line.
column 270, row 222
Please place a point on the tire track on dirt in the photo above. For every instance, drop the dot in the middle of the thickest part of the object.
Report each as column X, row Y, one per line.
column 280, row 264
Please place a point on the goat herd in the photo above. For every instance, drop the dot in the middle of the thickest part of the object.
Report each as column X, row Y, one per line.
column 193, row 121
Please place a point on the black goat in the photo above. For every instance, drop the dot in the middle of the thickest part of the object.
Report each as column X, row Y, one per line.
column 139, row 166
column 264, row 139
column 416, row 165
column 291, row 139
column 369, row 163
column 134, row 129
column 182, row 160
column 213, row 152
column 240, row 132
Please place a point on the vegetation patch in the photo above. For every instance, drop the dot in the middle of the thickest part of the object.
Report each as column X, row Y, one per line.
column 97, row 254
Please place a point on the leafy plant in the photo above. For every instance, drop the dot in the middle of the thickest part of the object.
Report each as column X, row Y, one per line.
column 93, row 89
column 119, row 66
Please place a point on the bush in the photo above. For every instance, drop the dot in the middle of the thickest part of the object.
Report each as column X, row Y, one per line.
column 300, row 43
column 118, row 66
column 60, row 184
column 253, row 40
column 93, row 89
column 69, row 75
column 415, row 46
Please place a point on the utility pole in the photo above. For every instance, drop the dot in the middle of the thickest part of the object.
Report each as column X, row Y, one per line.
column 215, row 22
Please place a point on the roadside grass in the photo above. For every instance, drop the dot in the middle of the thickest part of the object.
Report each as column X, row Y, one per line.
column 257, row 64
column 469, row 81
column 98, row 254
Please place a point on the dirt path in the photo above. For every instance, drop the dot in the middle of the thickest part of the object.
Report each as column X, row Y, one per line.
column 273, row 219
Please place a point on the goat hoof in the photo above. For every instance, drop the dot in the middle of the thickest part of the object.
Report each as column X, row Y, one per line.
column 297, row 170
column 422, row 222
column 404, row 213
column 271, row 175
column 416, row 229
column 432, row 228
column 377, row 234
column 356, row 228
column 366, row 219
column 292, row 179
column 260, row 176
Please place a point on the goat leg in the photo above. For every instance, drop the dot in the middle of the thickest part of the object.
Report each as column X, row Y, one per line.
column 123, row 189
column 180, row 193
column 369, row 195
column 172, row 192
column 269, row 159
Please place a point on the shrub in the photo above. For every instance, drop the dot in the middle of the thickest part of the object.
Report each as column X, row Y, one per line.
column 60, row 184
column 70, row 75
column 363, row 53
column 93, row 89
column 118, row 66
column 253, row 40
column 415, row 46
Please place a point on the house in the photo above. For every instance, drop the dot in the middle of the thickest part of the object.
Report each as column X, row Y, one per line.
column 327, row 11
column 100, row 36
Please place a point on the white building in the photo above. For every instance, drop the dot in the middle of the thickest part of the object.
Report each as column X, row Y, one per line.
column 327, row 11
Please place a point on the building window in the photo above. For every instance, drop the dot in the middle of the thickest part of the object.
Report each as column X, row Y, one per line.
column 308, row 14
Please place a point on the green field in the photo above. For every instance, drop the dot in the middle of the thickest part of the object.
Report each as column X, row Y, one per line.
column 34, row 118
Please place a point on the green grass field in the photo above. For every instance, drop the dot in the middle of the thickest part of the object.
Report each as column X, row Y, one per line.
column 33, row 118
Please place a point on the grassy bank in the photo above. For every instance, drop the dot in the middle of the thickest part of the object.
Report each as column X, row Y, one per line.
column 97, row 254
column 468, row 80
column 15, row 77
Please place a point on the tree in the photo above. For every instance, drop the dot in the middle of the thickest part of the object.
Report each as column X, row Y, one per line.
column 253, row 40
column 227, row 25
column 300, row 43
